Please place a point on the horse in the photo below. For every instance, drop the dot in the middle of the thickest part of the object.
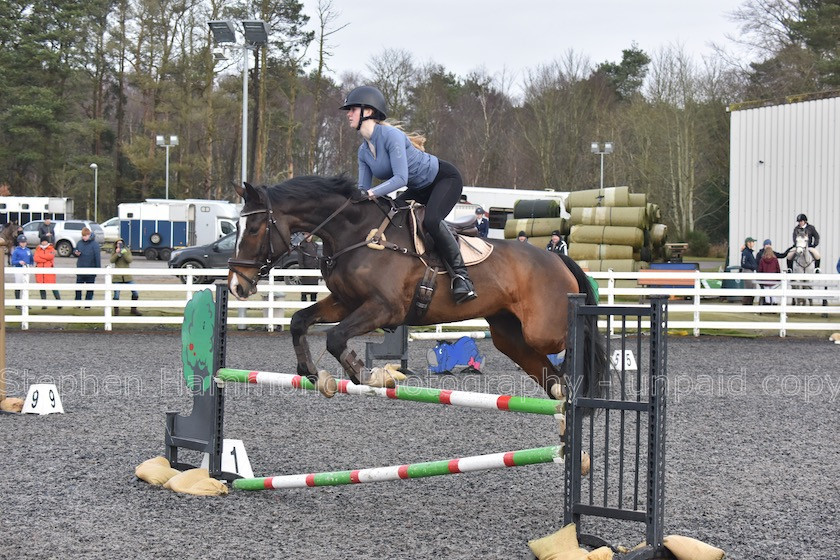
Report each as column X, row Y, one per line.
column 9, row 235
column 803, row 263
column 522, row 290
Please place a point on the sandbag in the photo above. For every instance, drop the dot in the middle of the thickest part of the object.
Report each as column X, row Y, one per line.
column 156, row 471
column 548, row 208
column 608, row 235
column 658, row 234
column 610, row 216
column 609, row 196
column 196, row 482
column 638, row 199
column 534, row 226
column 593, row 251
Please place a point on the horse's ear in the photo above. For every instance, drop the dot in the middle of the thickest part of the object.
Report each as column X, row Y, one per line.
column 240, row 190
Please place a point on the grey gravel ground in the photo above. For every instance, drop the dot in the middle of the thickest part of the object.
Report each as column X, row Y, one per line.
column 751, row 461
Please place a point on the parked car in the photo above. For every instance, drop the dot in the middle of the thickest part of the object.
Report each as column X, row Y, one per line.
column 112, row 229
column 68, row 233
column 216, row 255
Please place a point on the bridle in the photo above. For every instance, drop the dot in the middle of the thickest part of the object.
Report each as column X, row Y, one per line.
column 270, row 260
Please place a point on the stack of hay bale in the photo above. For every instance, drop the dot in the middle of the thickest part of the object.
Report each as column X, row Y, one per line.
column 613, row 228
column 537, row 218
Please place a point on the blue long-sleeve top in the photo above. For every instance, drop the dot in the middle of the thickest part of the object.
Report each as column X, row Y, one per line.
column 89, row 256
column 22, row 254
column 397, row 162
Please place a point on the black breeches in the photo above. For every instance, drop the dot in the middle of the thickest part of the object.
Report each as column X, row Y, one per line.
column 440, row 197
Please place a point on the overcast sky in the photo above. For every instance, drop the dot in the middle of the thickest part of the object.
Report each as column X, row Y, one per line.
column 512, row 36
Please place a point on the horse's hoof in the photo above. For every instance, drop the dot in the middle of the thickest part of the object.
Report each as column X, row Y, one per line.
column 585, row 463
column 557, row 392
column 327, row 385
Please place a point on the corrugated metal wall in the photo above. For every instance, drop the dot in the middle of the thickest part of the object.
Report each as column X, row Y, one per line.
column 785, row 159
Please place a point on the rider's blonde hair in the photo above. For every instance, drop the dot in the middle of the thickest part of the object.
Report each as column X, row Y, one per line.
column 417, row 139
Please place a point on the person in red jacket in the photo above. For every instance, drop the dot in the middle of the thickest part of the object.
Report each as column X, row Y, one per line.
column 769, row 262
column 44, row 257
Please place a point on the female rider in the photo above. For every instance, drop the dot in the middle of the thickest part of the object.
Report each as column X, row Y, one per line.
column 388, row 154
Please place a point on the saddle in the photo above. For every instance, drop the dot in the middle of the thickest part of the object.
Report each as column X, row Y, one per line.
column 474, row 249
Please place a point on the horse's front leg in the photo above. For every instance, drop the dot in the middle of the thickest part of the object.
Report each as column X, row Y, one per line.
column 371, row 315
column 328, row 310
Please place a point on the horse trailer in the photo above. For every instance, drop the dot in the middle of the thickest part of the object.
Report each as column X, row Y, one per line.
column 156, row 227
column 25, row 209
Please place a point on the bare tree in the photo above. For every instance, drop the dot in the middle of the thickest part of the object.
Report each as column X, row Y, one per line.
column 394, row 73
column 327, row 18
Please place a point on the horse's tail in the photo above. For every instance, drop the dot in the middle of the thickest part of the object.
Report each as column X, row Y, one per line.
column 595, row 363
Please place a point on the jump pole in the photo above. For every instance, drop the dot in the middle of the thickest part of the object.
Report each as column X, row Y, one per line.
column 535, row 456
column 531, row 405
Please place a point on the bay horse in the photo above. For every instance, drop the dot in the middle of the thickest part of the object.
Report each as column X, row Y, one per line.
column 9, row 234
column 522, row 290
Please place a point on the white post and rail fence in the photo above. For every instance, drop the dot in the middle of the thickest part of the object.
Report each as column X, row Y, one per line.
column 702, row 302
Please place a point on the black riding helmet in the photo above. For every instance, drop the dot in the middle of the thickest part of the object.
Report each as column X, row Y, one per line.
column 802, row 218
column 366, row 96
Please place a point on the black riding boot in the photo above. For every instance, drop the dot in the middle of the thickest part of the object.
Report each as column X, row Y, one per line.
column 817, row 265
column 790, row 265
column 447, row 248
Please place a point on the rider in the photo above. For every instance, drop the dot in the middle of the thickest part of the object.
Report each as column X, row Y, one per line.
column 804, row 229
column 388, row 154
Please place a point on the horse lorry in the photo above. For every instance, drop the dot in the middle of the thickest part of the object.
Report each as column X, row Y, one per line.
column 156, row 227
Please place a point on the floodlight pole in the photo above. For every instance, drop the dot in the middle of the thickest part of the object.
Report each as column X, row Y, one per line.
column 244, row 113
column 95, row 191
column 602, row 151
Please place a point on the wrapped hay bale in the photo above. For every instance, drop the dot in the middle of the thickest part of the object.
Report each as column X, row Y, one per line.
column 539, row 241
column 658, row 234
column 610, row 196
column 536, row 209
column 593, row 251
column 610, row 216
column 653, row 212
column 638, row 199
column 534, row 226
column 603, row 265
column 608, row 235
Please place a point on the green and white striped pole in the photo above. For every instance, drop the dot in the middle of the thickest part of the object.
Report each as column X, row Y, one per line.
column 403, row 472
column 531, row 405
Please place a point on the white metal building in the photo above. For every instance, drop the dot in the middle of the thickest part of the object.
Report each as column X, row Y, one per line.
column 785, row 160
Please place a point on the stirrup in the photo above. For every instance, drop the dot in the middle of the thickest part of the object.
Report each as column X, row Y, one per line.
column 463, row 297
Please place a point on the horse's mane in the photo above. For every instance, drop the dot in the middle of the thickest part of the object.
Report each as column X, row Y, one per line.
column 315, row 187
column 309, row 187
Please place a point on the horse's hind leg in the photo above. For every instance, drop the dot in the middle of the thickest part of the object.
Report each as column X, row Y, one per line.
column 328, row 310
column 506, row 330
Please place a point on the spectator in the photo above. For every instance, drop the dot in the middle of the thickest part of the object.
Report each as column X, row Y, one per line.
column 748, row 264
column 87, row 251
column 308, row 255
column 769, row 262
column 45, row 258
column 557, row 245
column 804, row 229
column 522, row 238
column 47, row 229
column 21, row 257
column 121, row 258
column 481, row 222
